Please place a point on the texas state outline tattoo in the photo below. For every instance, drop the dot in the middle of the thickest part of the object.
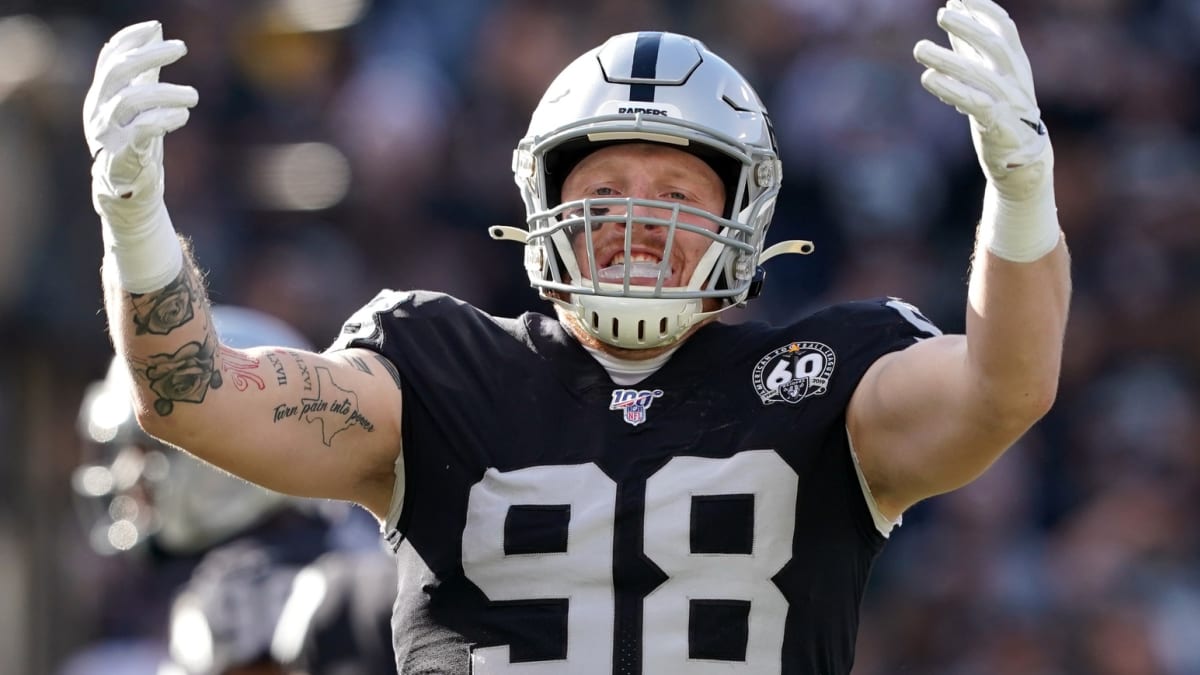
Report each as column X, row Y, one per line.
column 333, row 409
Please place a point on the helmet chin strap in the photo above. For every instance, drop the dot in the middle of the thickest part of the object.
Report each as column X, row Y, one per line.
column 573, row 315
column 635, row 323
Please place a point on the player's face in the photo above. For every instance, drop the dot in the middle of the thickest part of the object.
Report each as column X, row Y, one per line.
column 646, row 171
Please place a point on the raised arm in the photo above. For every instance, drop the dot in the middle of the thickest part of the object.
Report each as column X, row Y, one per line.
column 292, row 421
column 932, row 417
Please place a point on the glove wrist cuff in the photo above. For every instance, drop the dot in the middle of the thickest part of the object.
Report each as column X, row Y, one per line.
column 147, row 257
column 129, row 209
column 1021, row 230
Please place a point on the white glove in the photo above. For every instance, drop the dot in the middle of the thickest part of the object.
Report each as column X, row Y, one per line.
column 125, row 115
column 987, row 77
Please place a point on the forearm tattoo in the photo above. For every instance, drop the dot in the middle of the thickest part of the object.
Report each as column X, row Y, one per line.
column 333, row 409
column 164, row 310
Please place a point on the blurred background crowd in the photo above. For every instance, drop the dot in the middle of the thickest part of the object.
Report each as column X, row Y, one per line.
column 341, row 146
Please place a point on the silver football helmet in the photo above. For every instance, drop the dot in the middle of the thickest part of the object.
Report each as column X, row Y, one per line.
column 659, row 88
column 132, row 487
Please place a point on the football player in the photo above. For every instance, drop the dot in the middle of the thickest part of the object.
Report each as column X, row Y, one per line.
column 629, row 485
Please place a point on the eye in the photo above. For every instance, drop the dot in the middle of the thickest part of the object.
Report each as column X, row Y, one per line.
column 678, row 196
column 604, row 191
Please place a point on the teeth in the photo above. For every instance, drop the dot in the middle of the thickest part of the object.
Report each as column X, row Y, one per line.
column 636, row 257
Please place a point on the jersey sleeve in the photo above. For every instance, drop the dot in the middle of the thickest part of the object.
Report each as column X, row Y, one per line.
column 451, row 361
column 861, row 332
column 434, row 339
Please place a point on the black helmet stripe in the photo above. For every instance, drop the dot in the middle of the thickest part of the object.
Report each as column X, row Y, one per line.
column 645, row 66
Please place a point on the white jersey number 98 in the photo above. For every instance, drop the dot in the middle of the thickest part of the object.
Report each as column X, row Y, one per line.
column 583, row 573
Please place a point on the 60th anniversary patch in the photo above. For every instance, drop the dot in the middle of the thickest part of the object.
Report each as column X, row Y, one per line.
column 794, row 372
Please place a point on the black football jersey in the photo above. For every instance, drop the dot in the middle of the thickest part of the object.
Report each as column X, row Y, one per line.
column 707, row 520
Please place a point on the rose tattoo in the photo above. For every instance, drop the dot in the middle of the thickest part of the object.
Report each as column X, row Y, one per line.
column 185, row 375
column 161, row 312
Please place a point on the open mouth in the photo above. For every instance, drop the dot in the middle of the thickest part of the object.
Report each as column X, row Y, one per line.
column 643, row 269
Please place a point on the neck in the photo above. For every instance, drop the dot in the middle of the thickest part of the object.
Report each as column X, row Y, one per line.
column 628, row 373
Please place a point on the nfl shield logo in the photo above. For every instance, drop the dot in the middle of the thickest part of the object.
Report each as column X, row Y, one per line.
column 633, row 403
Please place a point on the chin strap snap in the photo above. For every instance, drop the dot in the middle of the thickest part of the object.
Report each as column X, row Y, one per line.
column 504, row 232
column 797, row 246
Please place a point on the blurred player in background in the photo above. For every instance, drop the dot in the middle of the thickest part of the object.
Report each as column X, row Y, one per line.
column 631, row 486
column 208, row 560
column 245, row 613
column 337, row 618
